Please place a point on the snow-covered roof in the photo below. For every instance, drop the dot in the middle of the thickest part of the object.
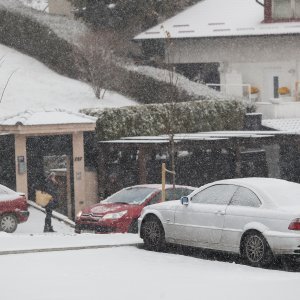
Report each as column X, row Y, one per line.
column 201, row 136
column 47, row 117
column 283, row 124
column 219, row 18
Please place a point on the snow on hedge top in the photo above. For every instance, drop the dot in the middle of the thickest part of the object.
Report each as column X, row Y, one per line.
column 219, row 18
column 34, row 87
column 47, row 117
column 66, row 28
column 192, row 88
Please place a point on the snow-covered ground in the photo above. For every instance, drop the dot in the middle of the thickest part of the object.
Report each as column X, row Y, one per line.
column 126, row 272
column 34, row 87
column 30, row 236
column 136, row 274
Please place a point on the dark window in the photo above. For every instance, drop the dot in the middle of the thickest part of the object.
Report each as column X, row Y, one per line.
column 216, row 194
column 245, row 197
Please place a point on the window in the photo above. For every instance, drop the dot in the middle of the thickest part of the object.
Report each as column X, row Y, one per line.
column 219, row 194
column 245, row 197
column 286, row 9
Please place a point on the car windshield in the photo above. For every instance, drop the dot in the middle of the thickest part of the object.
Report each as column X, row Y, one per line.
column 135, row 195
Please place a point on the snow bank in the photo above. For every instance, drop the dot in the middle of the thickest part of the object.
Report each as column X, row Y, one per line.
column 192, row 88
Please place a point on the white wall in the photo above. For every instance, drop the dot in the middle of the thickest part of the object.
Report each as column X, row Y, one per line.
column 238, row 49
column 256, row 59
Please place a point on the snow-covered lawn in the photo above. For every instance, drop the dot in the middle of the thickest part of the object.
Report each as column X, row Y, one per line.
column 34, row 86
column 131, row 273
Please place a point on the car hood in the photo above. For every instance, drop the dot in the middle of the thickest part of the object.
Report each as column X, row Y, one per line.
column 102, row 209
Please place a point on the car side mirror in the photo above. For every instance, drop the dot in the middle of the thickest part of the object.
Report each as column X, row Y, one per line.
column 185, row 200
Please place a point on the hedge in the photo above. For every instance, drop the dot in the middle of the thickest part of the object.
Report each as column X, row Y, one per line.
column 152, row 119
column 39, row 41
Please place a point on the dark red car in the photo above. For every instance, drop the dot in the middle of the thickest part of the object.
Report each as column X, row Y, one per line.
column 13, row 209
column 120, row 211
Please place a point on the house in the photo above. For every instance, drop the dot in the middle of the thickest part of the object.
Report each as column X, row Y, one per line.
column 247, row 48
column 60, row 7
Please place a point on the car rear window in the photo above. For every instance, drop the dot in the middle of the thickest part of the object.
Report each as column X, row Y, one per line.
column 284, row 194
column 135, row 195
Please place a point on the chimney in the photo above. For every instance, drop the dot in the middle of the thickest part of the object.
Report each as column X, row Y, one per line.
column 268, row 11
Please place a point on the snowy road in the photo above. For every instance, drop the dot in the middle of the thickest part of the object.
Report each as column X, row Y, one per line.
column 126, row 272
column 131, row 273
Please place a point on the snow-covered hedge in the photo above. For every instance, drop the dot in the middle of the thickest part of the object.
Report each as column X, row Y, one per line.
column 37, row 40
column 153, row 119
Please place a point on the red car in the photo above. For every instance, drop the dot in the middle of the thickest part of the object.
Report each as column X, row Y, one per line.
column 120, row 211
column 13, row 209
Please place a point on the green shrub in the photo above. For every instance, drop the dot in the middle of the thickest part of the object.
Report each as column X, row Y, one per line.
column 153, row 119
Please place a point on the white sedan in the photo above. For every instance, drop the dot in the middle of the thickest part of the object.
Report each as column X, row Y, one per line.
column 259, row 218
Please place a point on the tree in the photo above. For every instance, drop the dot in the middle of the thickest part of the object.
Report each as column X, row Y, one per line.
column 100, row 65
column 119, row 14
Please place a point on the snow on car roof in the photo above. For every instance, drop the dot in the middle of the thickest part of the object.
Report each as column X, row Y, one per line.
column 219, row 18
column 280, row 192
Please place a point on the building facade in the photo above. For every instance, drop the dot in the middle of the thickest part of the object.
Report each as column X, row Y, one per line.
column 254, row 44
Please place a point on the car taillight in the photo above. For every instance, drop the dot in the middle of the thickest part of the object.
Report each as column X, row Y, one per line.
column 295, row 224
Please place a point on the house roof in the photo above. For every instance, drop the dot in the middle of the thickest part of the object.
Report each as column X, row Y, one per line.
column 47, row 117
column 219, row 18
column 291, row 125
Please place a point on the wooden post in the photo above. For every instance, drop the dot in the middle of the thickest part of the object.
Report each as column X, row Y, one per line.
column 163, row 182
column 142, row 165
column 79, row 171
column 21, row 164
column 238, row 162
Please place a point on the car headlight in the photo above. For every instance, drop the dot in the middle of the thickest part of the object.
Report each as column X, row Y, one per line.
column 117, row 215
column 79, row 214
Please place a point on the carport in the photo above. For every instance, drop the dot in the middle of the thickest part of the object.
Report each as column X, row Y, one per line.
column 63, row 134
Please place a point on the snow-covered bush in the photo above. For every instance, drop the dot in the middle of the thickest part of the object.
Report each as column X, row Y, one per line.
column 153, row 119
column 37, row 40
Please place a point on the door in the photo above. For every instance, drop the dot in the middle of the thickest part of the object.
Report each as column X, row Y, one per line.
column 243, row 208
column 203, row 219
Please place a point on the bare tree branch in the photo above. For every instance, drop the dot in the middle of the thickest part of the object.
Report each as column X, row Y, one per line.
column 7, row 82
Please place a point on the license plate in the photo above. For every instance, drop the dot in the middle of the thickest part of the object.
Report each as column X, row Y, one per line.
column 88, row 231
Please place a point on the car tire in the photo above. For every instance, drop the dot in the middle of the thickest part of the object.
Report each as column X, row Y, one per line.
column 153, row 234
column 8, row 223
column 133, row 228
column 256, row 251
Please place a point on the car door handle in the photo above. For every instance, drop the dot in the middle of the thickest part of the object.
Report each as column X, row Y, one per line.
column 220, row 212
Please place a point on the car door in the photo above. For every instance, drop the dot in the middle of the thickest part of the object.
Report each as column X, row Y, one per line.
column 202, row 220
column 244, row 205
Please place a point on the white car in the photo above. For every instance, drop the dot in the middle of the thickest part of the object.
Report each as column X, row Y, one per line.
column 259, row 218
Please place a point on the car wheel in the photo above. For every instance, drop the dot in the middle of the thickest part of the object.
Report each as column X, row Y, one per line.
column 133, row 228
column 8, row 223
column 256, row 250
column 153, row 234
